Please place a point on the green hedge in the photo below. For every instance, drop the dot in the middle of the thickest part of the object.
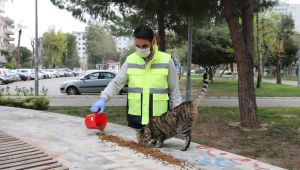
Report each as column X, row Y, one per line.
column 37, row 103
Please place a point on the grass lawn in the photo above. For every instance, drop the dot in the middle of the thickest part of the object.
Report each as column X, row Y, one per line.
column 278, row 145
column 226, row 87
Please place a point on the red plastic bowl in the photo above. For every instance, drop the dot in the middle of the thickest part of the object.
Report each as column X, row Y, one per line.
column 96, row 121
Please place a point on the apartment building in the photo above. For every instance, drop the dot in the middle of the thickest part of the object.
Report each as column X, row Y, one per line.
column 81, row 48
column 286, row 9
column 6, row 36
column 123, row 43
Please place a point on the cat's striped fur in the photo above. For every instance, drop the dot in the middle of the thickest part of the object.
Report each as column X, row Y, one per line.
column 176, row 122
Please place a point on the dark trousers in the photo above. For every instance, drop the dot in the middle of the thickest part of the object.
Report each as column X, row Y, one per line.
column 135, row 125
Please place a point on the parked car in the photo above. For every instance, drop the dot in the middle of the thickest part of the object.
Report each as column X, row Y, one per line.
column 92, row 82
column 230, row 75
column 14, row 74
column 40, row 74
column 23, row 77
column 53, row 72
column 61, row 72
column 69, row 73
column 43, row 74
column 28, row 72
column 5, row 76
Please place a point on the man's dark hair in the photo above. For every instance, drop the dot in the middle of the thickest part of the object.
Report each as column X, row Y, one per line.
column 144, row 32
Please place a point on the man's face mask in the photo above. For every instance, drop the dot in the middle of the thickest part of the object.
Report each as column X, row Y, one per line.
column 143, row 47
column 143, row 52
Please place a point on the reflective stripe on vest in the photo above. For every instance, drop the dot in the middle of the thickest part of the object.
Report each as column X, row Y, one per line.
column 145, row 81
column 152, row 90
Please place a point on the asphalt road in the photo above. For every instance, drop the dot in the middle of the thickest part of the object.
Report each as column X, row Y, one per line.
column 59, row 99
column 51, row 84
column 120, row 100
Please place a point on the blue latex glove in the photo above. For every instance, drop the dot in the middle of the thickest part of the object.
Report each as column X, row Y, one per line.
column 98, row 106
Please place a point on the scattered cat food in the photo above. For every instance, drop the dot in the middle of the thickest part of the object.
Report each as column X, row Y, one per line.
column 156, row 154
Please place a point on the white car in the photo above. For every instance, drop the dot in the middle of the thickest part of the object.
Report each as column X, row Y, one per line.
column 27, row 72
column 53, row 72
column 230, row 75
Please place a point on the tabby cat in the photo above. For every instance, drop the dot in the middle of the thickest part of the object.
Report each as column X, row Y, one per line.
column 176, row 122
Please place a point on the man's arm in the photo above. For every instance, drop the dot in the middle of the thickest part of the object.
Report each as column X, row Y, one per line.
column 116, row 84
column 175, row 96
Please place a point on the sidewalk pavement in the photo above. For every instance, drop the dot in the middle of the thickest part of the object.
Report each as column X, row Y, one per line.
column 67, row 139
column 287, row 82
column 120, row 100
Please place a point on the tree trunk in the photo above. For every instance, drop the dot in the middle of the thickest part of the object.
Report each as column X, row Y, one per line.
column 231, row 67
column 270, row 70
column 52, row 62
column 211, row 77
column 278, row 69
column 226, row 67
column 243, row 45
column 290, row 71
column 260, row 66
column 161, row 31
column 18, row 50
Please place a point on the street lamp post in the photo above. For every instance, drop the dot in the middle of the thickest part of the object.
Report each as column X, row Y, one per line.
column 299, row 67
column 189, row 61
column 33, row 57
column 36, row 82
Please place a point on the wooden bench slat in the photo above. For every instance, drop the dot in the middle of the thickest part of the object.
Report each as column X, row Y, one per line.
column 61, row 168
column 21, row 163
column 16, row 149
column 13, row 147
column 7, row 140
column 19, row 152
column 8, row 137
column 50, row 166
column 37, row 164
column 22, row 159
column 18, row 155
column 10, row 142
column 3, row 135
column 21, row 155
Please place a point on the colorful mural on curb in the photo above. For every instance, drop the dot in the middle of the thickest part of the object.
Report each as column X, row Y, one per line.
column 211, row 158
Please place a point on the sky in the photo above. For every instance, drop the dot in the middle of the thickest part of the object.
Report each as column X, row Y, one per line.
column 292, row 1
column 23, row 12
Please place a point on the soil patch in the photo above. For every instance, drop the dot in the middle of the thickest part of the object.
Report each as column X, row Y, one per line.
column 275, row 145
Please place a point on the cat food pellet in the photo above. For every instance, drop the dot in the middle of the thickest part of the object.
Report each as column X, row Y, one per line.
column 156, row 154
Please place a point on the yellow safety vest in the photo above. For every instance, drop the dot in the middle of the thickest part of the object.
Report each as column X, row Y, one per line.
column 148, row 93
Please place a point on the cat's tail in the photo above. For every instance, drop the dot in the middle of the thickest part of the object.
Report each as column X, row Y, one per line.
column 203, row 91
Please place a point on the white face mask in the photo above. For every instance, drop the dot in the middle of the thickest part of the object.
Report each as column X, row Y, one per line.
column 143, row 52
